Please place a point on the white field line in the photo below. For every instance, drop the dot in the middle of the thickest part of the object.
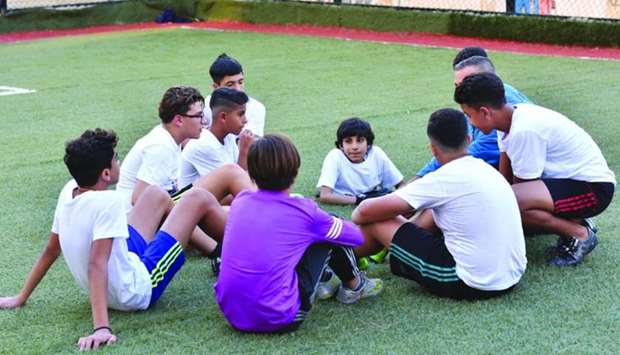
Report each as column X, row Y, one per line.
column 7, row 90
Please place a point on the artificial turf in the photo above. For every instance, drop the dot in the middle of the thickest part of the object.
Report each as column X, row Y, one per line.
column 308, row 86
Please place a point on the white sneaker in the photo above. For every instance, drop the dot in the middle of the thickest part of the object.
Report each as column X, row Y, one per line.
column 328, row 288
column 370, row 288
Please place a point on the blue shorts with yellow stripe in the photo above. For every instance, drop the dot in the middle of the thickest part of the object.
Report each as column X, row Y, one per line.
column 163, row 257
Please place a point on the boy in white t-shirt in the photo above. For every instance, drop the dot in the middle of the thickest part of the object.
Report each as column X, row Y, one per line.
column 217, row 145
column 457, row 255
column 154, row 159
column 357, row 169
column 123, row 263
column 228, row 72
column 559, row 174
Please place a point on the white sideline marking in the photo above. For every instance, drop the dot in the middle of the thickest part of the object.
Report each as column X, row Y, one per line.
column 7, row 90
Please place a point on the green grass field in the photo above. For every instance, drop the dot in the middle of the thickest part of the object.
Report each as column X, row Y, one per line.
column 308, row 85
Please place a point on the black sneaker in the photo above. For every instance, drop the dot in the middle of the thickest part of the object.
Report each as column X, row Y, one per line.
column 561, row 243
column 215, row 266
column 589, row 223
column 574, row 250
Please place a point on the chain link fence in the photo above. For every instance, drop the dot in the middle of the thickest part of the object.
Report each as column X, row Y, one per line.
column 30, row 4
column 602, row 9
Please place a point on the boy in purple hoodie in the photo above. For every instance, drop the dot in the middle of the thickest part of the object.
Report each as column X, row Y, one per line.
column 276, row 248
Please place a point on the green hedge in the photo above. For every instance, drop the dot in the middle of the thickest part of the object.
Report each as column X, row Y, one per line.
column 133, row 11
column 523, row 28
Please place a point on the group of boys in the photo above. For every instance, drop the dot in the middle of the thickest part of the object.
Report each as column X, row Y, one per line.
column 520, row 166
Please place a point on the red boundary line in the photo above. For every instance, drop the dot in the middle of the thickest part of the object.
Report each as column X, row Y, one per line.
column 412, row 38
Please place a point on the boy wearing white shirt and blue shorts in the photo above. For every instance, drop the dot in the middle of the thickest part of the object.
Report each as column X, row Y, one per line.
column 122, row 262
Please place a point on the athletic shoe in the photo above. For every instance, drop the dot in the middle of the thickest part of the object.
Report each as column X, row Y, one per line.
column 368, row 288
column 589, row 223
column 329, row 287
column 379, row 258
column 215, row 265
column 563, row 242
column 574, row 250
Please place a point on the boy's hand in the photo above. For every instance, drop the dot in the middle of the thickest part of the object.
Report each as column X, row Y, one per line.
column 246, row 138
column 99, row 338
column 10, row 302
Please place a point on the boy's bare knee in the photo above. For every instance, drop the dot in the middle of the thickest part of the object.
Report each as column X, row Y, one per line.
column 156, row 194
column 201, row 197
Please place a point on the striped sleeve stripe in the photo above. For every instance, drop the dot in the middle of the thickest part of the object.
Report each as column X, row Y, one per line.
column 336, row 228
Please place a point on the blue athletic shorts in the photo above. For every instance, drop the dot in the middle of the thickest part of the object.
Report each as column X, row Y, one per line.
column 163, row 257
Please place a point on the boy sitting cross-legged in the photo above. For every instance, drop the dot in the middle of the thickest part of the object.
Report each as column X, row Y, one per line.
column 122, row 262
column 357, row 169
column 473, row 247
column 276, row 248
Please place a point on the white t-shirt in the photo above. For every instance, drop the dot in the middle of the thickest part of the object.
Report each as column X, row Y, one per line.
column 154, row 159
column 205, row 154
column 545, row 144
column 477, row 212
column 254, row 112
column 95, row 215
column 347, row 178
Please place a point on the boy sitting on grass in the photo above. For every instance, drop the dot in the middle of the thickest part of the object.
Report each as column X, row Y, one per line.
column 357, row 169
column 122, row 262
column 276, row 248
column 474, row 246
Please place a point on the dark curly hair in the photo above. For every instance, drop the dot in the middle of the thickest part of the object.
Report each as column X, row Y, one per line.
column 90, row 153
column 177, row 101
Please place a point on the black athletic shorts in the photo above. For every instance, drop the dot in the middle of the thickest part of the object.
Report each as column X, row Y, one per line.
column 579, row 199
column 418, row 255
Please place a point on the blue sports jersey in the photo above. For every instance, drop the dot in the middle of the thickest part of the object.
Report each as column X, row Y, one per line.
column 483, row 146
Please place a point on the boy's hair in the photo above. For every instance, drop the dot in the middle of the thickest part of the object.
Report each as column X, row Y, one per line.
column 468, row 52
column 354, row 127
column 483, row 64
column 273, row 162
column 227, row 99
column 224, row 66
column 447, row 128
column 485, row 89
column 177, row 101
column 87, row 155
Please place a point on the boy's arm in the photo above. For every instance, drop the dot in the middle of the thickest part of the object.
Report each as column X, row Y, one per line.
column 39, row 269
column 98, row 284
column 327, row 195
column 505, row 168
column 380, row 209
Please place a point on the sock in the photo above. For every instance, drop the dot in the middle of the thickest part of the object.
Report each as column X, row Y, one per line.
column 216, row 253
column 327, row 274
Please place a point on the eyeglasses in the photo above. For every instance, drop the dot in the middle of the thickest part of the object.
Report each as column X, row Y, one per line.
column 199, row 115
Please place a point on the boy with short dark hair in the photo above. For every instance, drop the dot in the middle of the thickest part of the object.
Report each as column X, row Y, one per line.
column 276, row 248
column 227, row 72
column 122, row 262
column 456, row 255
column 469, row 61
column 357, row 169
column 559, row 174
column 218, row 145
